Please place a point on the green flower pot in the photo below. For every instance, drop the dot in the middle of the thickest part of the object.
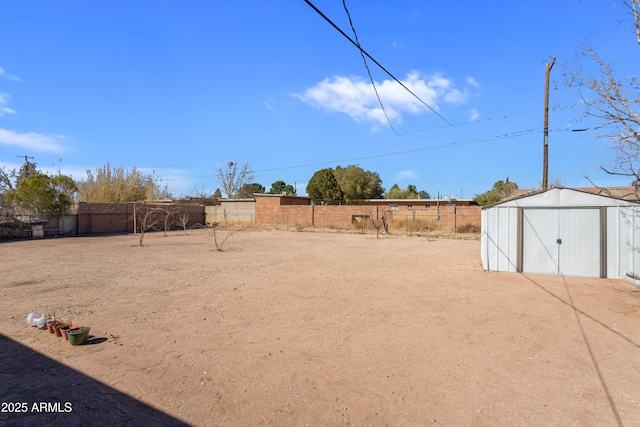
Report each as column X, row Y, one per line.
column 78, row 336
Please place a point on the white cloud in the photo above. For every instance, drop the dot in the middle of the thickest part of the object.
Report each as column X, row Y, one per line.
column 473, row 82
column 9, row 166
column 6, row 75
column 474, row 114
column 4, row 100
column 355, row 96
column 404, row 175
column 32, row 141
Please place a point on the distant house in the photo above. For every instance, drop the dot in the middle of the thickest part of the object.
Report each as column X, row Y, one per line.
column 20, row 226
column 416, row 204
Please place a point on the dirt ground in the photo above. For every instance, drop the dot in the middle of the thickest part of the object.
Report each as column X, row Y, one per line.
column 301, row 328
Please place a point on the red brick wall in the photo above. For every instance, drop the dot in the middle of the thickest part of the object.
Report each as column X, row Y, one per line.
column 445, row 216
column 269, row 210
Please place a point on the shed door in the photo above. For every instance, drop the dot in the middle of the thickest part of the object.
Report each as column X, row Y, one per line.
column 561, row 241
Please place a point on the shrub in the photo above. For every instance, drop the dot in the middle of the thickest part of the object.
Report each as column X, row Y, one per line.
column 469, row 228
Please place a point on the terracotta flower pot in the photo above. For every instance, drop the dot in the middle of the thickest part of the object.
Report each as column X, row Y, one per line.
column 50, row 325
column 58, row 328
column 63, row 330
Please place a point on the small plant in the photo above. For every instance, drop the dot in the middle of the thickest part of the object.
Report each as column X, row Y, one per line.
column 469, row 228
column 146, row 219
column 183, row 221
column 168, row 217
column 379, row 222
column 219, row 236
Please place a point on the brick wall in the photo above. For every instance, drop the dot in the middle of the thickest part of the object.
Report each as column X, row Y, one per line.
column 100, row 218
column 270, row 210
column 444, row 217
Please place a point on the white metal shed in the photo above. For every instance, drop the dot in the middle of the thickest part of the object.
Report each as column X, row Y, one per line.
column 562, row 232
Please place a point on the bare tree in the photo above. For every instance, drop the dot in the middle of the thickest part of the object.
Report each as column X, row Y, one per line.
column 614, row 101
column 232, row 178
column 183, row 220
column 204, row 196
column 5, row 180
column 220, row 236
column 146, row 219
column 169, row 214
column 377, row 220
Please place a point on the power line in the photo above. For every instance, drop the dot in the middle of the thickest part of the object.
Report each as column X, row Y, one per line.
column 387, row 154
column 364, row 59
column 362, row 51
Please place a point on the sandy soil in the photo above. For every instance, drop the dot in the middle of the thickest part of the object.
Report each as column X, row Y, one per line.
column 300, row 328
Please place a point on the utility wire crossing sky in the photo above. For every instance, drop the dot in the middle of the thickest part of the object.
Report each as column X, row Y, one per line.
column 453, row 104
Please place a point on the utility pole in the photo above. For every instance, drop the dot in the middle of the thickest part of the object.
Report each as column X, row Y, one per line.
column 26, row 164
column 545, row 168
column 26, row 158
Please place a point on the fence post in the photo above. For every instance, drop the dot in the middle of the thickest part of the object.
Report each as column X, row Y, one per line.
column 455, row 228
column 276, row 220
column 324, row 221
column 250, row 221
column 288, row 221
column 363, row 224
column 406, row 228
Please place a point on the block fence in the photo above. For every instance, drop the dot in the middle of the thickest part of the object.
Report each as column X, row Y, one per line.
column 451, row 218
column 102, row 218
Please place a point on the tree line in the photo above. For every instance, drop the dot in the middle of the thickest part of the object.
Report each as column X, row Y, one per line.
column 342, row 185
column 610, row 98
column 38, row 193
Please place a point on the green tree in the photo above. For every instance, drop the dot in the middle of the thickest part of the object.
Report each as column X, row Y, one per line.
column 42, row 194
column 411, row 192
column 248, row 190
column 323, row 187
column 5, row 180
column 9, row 180
column 358, row 184
column 26, row 170
column 501, row 190
column 280, row 187
column 395, row 192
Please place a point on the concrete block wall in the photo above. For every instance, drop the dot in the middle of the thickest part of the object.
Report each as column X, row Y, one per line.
column 100, row 218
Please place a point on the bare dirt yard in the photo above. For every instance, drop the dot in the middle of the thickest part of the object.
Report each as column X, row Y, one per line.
column 301, row 328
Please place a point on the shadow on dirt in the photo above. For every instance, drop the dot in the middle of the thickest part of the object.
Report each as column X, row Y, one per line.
column 49, row 393
column 577, row 313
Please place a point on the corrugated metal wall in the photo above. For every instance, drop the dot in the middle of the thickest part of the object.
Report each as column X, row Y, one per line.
column 499, row 238
column 561, row 241
column 580, row 252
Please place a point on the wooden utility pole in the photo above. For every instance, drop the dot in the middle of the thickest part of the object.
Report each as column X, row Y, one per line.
column 545, row 168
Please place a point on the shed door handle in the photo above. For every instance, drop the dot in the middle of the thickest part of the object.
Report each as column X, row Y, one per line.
column 559, row 241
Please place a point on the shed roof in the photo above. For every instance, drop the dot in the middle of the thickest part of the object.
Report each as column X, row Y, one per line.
column 564, row 197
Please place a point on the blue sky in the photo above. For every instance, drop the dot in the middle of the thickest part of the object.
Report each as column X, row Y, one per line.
column 181, row 88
